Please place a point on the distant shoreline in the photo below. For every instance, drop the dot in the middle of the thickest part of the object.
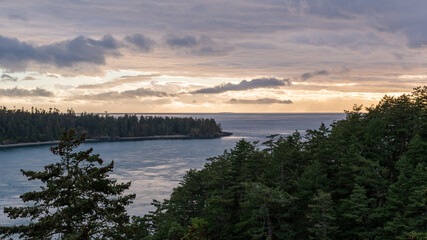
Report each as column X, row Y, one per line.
column 122, row 139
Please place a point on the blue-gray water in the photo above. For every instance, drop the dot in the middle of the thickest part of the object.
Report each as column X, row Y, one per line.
column 155, row 167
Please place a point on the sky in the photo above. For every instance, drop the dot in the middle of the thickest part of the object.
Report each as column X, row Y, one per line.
column 209, row 56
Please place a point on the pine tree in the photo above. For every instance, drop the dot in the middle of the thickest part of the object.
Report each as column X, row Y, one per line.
column 79, row 201
column 356, row 214
column 262, row 206
column 322, row 216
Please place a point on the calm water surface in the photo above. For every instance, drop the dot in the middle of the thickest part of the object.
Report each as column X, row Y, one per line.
column 155, row 167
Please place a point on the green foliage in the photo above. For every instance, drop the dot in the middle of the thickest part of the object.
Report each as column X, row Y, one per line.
column 321, row 216
column 364, row 178
column 198, row 230
column 139, row 228
column 176, row 231
column 78, row 200
column 19, row 126
column 263, row 204
column 356, row 212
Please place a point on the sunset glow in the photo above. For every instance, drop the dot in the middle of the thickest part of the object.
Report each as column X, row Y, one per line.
column 198, row 56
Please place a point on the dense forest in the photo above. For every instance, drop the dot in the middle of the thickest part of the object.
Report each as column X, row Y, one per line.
column 363, row 178
column 21, row 126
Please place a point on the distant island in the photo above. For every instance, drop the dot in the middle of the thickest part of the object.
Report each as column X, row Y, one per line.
column 37, row 126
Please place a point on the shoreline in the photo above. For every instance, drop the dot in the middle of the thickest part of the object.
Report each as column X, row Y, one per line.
column 122, row 139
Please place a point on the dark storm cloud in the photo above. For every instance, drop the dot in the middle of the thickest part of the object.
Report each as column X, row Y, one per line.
column 129, row 94
column 61, row 54
column 20, row 92
column 259, row 101
column 8, row 78
column 308, row 75
column 141, row 42
column 246, row 85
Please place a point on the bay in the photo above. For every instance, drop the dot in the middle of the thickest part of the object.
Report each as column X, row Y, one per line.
column 155, row 167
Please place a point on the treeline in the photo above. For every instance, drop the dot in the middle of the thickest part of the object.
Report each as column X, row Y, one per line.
column 20, row 126
column 363, row 178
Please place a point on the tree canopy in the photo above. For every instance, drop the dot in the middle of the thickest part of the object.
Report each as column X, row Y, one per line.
column 20, row 126
column 365, row 177
column 78, row 201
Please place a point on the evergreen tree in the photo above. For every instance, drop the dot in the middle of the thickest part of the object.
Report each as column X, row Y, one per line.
column 322, row 216
column 79, row 201
column 356, row 214
column 405, row 208
column 19, row 126
column 262, row 206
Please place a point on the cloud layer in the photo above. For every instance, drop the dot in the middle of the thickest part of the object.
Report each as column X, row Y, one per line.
column 8, row 78
column 117, row 82
column 140, row 42
column 19, row 92
column 259, row 101
column 129, row 94
column 202, row 46
column 14, row 53
column 308, row 75
column 80, row 49
column 246, row 85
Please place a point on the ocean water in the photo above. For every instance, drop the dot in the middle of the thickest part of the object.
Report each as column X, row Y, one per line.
column 155, row 167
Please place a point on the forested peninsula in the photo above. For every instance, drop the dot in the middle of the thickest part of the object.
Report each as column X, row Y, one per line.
column 363, row 178
column 38, row 125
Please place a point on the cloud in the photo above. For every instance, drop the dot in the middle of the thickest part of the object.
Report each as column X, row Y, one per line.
column 390, row 16
column 246, row 85
column 61, row 54
column 118, row 81
column 52, row 76
column 331, row 11
column 80, row 50
column 178, row 42
column 308, row 75
column 20, row 92
column 8, row 78
column 140, row 42
column 63, row 86
column 17, row 17
column 202, row 46
column 129, row 94
column 28, row 78
column 352, row 40
column 259, row 101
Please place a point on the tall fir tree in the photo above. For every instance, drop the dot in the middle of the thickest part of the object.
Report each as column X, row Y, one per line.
column 79, row 201
column 356, row 213
column 322, row 217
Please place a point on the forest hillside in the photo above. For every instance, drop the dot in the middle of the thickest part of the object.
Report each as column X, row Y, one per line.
column 363, row 177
